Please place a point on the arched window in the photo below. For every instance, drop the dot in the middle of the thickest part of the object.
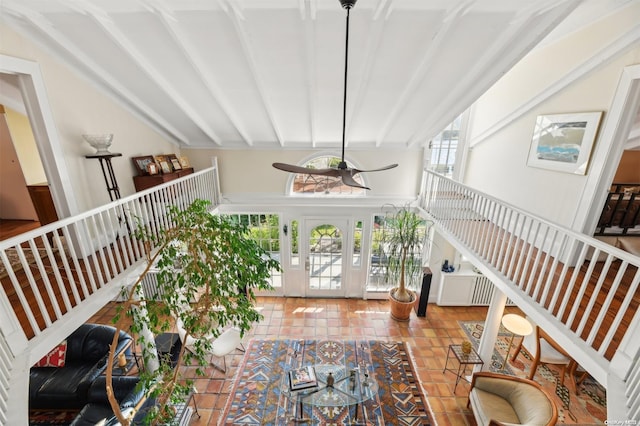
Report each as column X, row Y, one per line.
column 306, row 184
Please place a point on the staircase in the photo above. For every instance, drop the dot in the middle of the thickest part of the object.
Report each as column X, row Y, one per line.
column 59, row 275
column 583, row 292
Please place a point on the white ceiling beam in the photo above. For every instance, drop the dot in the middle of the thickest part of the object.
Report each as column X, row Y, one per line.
column 253, row 67
column 372, row 48
column 237, row 9
column 422, row 69
column 308, row 21
column 86, row 8
column 380, row 8
column 483, row 74
column 170, row 23
column 628, row 40
column 138, row 106
column 155, row 75
column 313, row 9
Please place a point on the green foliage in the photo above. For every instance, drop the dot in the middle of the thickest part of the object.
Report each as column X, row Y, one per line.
column 334, row 161
column 402, row 243
column 294, row 237
column 208, row 269
column 327, row 231
column 262, row 228
column 267, row 235
column 357, row 238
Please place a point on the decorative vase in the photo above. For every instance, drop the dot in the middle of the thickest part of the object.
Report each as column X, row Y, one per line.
column 466, row 348
column 401, row 311
column 100, row 142
column 122, row 360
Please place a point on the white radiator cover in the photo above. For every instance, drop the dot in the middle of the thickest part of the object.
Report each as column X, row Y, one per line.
column 465, row 289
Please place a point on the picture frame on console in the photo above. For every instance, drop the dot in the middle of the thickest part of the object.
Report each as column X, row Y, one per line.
column 160, row 158
column 166, row 168
column 152, row 169
column 141, row 163
column 563, row 142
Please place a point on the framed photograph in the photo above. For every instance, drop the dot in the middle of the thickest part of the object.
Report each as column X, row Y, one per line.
column 176, row 164
column 152, row 168
column 563, row 142
column 184, row 162
column 166, row 168
column 141, row 164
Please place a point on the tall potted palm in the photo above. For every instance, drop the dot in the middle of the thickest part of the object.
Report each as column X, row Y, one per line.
column 403, row 246
column 206, row 269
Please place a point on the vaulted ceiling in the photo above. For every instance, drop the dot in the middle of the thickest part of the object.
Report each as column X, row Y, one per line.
column 269, row 73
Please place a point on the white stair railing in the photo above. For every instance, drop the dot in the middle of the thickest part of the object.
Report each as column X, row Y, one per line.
column 585, row 289
column 74, row 266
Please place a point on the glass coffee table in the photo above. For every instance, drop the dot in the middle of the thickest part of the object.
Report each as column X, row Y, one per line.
column 337, row 387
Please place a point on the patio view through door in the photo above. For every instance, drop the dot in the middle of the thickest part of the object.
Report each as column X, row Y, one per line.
column 325, row 243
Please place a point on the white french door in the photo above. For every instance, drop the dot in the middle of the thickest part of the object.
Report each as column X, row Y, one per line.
column 325, row 244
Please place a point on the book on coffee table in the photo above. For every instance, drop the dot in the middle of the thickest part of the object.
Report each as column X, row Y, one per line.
column 302, row 378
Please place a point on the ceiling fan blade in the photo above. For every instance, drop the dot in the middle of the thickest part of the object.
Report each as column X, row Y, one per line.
column 347, row 179
column 390, row 166
column 306, row 170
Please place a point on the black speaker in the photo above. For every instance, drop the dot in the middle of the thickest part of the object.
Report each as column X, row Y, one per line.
column 423, row 293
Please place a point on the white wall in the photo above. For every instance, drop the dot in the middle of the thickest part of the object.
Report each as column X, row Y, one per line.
column 498, row 160
column 25, row 146
column 250, row 171
column 15, row 202
column 79, row 107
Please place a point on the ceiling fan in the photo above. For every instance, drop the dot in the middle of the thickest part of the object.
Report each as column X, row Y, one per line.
column 342, row 170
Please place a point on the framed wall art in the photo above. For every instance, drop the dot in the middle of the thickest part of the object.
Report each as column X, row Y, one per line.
column 563, row 142
column 165, row 166
column 141, row 164
column 160, row 158
column 184, row 162
column 152, row 168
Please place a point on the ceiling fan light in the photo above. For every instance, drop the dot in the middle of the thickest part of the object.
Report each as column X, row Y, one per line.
column 348, row 4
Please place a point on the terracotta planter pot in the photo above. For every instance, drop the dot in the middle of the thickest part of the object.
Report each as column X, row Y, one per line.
column 401, row 311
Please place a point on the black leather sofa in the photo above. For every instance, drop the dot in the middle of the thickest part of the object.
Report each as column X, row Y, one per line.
column 86, row 359
column 126, row 392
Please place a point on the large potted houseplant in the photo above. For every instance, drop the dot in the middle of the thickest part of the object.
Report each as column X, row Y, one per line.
column 206, row 271
column 403, row 243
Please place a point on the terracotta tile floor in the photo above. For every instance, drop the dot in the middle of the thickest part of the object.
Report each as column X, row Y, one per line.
column 428, row 339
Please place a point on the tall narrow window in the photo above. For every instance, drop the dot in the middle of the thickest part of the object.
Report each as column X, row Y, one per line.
column 357, row 243
column 265, row 230
column 443, row 148
column 325, row 258
column 295, row 244
column 379, row 278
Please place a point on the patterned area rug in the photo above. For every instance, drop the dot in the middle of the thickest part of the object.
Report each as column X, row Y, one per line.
column 588, row 407
column 260, row 397
column 50, row 418
column 14, row 261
